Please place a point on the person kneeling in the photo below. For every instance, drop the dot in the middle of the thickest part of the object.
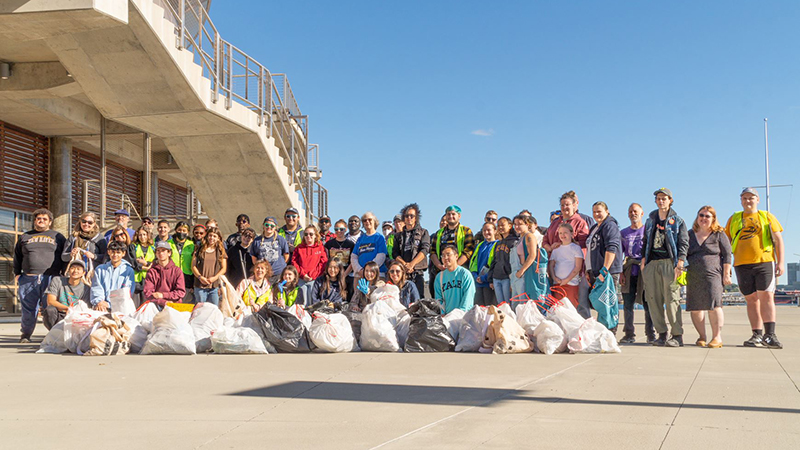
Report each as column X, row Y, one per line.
column 116, row 274
column 454, row 285
column 64, row 292
column 164, row 281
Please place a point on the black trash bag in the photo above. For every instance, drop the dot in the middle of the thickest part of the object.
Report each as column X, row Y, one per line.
column 324, row 306
column 354, row 315
column 283, row 330
column 427, row 331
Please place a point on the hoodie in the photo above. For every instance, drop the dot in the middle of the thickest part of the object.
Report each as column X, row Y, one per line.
column 108, row 278
column 309, row 260
column 167, row 280
column 500, row 268
column 333, row 295
column 606, row 238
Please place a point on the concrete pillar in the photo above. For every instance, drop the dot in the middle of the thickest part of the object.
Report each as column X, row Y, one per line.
column 154, row 187
column 147, row 170
column 61, row 183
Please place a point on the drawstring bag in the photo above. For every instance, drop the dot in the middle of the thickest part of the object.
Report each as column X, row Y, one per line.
column 604, row 300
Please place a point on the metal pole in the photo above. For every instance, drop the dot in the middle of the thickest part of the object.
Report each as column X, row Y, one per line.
column 183, row 23
column 766, row 153
column 102, row 172
column 148, row 175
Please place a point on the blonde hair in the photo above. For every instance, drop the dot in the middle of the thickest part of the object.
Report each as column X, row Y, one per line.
column 95, row 227
column 317, row 237
column 715, row 226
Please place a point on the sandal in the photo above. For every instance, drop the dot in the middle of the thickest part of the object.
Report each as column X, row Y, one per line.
column 700, row 343
column 715, row 343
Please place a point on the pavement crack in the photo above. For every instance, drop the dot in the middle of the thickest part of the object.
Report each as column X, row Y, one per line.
column 683, row 402
column 784, row 370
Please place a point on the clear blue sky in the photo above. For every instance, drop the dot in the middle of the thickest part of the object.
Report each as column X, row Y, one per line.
column 506, row 105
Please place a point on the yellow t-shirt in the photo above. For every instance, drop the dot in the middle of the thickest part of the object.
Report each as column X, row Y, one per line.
column 750, row 249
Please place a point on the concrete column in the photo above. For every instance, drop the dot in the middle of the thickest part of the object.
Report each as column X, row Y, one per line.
column 61, row 183
column 147, row 170
column 154, row 187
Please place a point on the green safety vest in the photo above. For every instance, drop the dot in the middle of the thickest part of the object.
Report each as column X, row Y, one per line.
column 176, row 257
column 250, row 297
column 150, row 256
column 390, row 245
column 186, row 256
column 460, row 233
column 298, row 237
column 473, row 262
column 766, row 231
column 290, row 298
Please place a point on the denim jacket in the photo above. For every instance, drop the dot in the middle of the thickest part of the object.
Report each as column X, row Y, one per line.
column 676, row 233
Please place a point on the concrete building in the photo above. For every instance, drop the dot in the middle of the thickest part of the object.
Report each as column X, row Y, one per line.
column 141, row 104
column 793, row 273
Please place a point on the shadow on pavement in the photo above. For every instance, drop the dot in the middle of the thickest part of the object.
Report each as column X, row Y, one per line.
column 463, row 396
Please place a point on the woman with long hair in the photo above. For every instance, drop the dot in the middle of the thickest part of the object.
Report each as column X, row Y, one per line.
column 708, row 271
column 529, row 262
column 286, row 291
column 396, row 275
column 368, row 281
column 331, row 285
column 208, row 264
column 256, row 290
column 120, row 234
column 86, row 243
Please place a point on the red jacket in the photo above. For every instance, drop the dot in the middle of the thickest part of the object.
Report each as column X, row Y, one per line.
column 309, row 260
column 168, row 280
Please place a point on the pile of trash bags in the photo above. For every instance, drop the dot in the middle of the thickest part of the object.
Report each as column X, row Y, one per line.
column 384, row 325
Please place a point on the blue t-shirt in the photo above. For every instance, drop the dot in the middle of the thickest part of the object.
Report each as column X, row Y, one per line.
column 271, row 249
column 456, row 289
column 368, row 247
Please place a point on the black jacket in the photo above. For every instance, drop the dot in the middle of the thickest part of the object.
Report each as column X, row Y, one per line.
column 420, row 242
column 501, row 265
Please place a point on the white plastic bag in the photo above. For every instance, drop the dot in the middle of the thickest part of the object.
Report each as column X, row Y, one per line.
column 121, row 302
column 145, row 314
column 403, row 324
column 566, row 316
column 506, row 309
column 378, row 328
column 249, row 320
column 472, row 330
column 172, row 335
column 593, row 337
column 453, row 321
column 529, row 317
column 388, row 293
column 331, row 333
column 236, row 340
column 54, row 340
column 206, row 318
column 549, row 338
column 138, row 334
column 78, row 321
column 299, row 312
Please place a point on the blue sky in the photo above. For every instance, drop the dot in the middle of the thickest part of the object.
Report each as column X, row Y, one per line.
column 506, row 105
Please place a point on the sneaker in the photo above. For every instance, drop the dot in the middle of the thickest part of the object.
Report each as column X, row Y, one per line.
column 627, row 340
column 24, row 340
column 755, row 341
column 675, row 341
column 661, row 341
column 771, row 341
column 651, row 339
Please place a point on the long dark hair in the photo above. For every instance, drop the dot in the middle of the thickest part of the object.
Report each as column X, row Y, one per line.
column 340, row 278
column 219, row 246
column 403, row 279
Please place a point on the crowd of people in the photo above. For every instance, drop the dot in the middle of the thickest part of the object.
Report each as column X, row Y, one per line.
column 507, row 260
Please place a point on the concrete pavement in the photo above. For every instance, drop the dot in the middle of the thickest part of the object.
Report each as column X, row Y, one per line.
column 644, row 398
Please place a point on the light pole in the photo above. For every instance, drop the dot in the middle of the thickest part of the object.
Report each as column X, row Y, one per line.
column 766, row 157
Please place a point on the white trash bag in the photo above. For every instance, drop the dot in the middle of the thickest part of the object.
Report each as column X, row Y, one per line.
column 172, row 335
column 549, row 338
column 54, row 340
column 236, row 340
column 300, row 312
column 565, row 315
column 121, row 302
column 387, row 293
column 506, row 309
column 472, row 330
column 331, row 333
column 402, row 327
column 529, row 317
column 593, row 337
column 138, row 334
column 77, row 323
column 145, row 314
column 206, row 318
column 378, row 332
column 453, row 321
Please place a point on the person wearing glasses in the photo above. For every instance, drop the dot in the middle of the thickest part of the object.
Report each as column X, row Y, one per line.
column 353, row 229
column 371, row 246
column 86, row 242
column 309, row 259
column 122, row 218
column 708, row 271
column 37, row 259
column 396, row 275
column 240, row 263
column 290, row 231
column 119, row 234
column 242, row 223
column 325, row 233
column 339, row 249
column 489, row 217
column 147, row 224
column 412, row 246
column 272, row 247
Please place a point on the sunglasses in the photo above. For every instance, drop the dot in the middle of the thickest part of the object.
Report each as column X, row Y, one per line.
column 340, row 229
column 269, row 225
column 88, row 222
column 490, row 219
column 242, row 222
column 410, row 216
column 291, row 216
column 324, row 221
column 395, row 271
column 118, row 235
column 706, row 216
column 309, row 234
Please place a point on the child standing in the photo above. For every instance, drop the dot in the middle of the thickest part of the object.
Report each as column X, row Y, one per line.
column 566, row 263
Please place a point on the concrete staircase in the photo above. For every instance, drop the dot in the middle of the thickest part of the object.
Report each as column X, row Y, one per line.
column 123, row 54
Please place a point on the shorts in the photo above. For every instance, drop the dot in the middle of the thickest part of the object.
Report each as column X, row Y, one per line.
column 756, row 277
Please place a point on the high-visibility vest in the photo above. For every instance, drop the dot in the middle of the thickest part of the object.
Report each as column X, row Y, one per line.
column 473, row 262
column 766, row 231
column 390, row 245
column 148, row 256
column 176, row 256
column 298, row 238
column 250, row 297
column 186, row 256
column 288, row 298
column 460, row 233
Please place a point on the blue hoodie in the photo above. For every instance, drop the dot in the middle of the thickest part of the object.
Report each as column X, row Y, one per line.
column 108, row 278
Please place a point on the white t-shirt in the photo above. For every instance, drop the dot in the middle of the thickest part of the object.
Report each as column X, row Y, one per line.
column 564, row 258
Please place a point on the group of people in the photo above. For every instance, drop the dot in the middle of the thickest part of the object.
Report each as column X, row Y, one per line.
column 508, row 260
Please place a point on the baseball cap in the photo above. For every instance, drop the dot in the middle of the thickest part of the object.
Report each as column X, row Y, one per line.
column 147, row 219
column 387, row 224
column 398, row 218
column 664, row 191
column 78, row 262
column 123, row 212
column 292, row 210
column 163, row 244
column 749, row 190
column 271, row 219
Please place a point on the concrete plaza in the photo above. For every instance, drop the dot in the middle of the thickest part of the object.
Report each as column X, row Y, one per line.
column 644, row 398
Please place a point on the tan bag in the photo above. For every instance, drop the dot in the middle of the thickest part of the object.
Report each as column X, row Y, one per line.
column 230, row 302
column 505, row 335
column 109, row 336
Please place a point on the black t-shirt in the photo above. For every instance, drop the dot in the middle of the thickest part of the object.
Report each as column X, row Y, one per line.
column 340, row 251
column 659, row 248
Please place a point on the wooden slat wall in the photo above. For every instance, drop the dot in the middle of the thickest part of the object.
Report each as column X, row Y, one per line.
column 171, row 199
column 25, row 163
column 86, row 166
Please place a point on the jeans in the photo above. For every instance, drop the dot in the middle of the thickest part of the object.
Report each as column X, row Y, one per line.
column 206, row 295
column 419, row 281
column 31, row 298
column 305, row 287
column 584, row 305
column 502, row 290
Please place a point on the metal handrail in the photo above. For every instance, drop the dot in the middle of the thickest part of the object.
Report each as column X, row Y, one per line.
column 125, row 201
column 235, row 76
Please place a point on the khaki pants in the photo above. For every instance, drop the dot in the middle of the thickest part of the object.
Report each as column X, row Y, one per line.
column 660, row 291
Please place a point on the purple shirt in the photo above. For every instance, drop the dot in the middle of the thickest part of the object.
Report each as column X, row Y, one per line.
column 632, row 245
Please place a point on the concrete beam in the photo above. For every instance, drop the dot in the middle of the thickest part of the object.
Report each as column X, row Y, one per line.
column 27, row 20
column 36, row 76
